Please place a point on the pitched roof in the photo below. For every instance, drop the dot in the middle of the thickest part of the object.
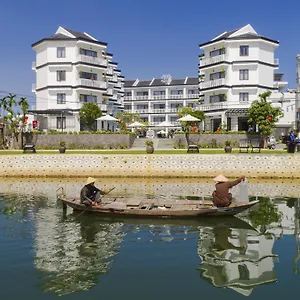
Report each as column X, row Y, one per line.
column 74, row 35
column 246, row 32
column 128, row 83
column 158, row 82
column 79, row 34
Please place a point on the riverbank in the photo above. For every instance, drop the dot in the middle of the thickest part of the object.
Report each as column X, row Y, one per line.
column 252, row 165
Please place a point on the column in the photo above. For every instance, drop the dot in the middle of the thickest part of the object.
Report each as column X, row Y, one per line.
column 234, row 123
column 224, row 120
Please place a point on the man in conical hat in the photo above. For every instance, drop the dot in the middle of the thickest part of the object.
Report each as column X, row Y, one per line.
column 221, row 196
column 89, row 194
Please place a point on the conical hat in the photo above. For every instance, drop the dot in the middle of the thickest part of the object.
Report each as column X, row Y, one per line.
column 220, row 178
column 90, row 180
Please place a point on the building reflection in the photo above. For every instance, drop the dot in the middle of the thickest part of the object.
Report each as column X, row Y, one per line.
column 235, row 257
column 71, row 252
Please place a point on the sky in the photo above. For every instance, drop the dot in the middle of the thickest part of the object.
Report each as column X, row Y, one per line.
column 148, row 38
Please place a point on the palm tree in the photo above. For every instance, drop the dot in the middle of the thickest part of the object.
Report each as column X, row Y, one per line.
column 23, row 103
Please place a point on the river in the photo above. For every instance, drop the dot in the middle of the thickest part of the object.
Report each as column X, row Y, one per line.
column 46, row 253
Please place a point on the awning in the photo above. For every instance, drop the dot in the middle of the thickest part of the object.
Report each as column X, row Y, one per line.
column 53, row 111
column 237, row 111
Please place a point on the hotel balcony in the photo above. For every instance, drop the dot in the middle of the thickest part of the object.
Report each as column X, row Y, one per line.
column 33, row 67
column 110, row 91
column 212, row 83
column 213, row 60
column 93, row 60
column 222, row 105
column 162, row 97
column 92, row 83
column 33, row 88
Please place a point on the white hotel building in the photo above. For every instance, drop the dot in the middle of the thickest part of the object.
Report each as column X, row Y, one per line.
column 73, row 68
column 234, row 68
column 157, row 101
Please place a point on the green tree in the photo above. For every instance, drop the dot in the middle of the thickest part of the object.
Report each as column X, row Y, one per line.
column 88, row 113
column 265, row 214
column 126, row 118
column 186, row 126
column 264, row 115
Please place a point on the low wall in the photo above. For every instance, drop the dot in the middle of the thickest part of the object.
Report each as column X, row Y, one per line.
column 85, row 140
column 206, row 139
column 125, row 165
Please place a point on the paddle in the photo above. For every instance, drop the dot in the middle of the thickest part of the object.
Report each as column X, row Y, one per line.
column 99, row 201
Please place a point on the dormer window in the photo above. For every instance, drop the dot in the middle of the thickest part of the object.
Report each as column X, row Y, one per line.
column 244, row 50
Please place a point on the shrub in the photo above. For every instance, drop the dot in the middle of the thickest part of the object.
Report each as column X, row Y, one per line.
column 149, row 143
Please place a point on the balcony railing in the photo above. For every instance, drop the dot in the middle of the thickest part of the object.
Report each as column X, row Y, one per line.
column 212, row 83
column 33, row 88
column 163, row 97
column 213, row 60
column 114, row 79
column 93, row 60
column 223, row 105
column 109, row 91
column 92, row 83
column 33, row 67
column 276, row 61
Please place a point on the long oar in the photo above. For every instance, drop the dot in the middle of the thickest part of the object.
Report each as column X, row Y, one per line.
column 99, row 200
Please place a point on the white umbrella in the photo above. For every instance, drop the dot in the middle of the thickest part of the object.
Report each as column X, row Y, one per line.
column 164, row 124
column 188, row 118
column 106, row 118
column 136, row 124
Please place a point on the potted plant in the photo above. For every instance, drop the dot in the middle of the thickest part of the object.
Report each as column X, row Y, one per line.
column 62, row 147
column 149, row 147
column 228, row 147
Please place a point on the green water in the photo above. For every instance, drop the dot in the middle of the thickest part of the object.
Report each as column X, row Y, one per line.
column 46, row 253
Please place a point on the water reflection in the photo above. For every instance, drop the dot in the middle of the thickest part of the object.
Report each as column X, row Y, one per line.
column 72, row 252
column 236, row 258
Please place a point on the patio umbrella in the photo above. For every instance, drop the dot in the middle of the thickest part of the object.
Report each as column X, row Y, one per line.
column 136, row 124
column 164, row 124
column 106, row 118
column 188, row 118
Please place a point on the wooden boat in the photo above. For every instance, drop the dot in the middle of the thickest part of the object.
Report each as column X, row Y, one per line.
column 157, row 207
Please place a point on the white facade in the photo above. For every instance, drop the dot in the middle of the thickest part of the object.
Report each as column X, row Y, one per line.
column 157, row 101
column 73, row 68
column 234, row 68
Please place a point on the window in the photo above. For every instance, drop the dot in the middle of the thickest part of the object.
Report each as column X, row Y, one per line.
column 61, row 52
column 217, row 52
column 61, row 122
column 244, row 50
column 88, row 98
column 61, row 98
column 244, row 97
column 244, row 74
column 61, row 75
column 86, row 75
column 217, row 98
column 128, row 94
column 217, row 75
column 193, row 92
column 159, row 93
column 176, row 92
column 142, row 93
column 127, row 107
column 88, row 52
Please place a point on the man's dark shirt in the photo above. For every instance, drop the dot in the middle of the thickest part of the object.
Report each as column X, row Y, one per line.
column 88, row 192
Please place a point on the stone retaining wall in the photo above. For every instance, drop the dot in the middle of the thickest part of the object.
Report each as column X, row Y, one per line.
column 125, row 165
column 85, row 140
